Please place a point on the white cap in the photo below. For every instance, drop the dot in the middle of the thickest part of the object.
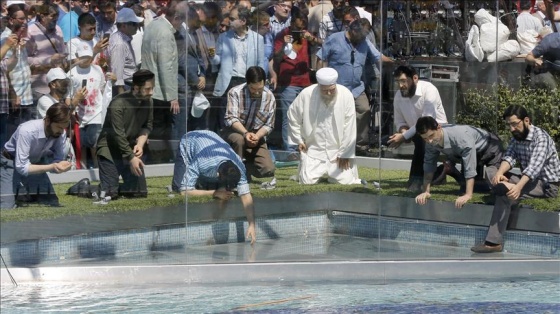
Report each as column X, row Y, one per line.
column 126, row 15
column 289, row 51
column 85, row 52
column 327, row 76
column 56, row 74
column 10, row 2
column 199, row 104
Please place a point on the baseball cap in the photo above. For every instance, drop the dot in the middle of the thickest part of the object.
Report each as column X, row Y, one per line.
column 85, row 52
column 126, row 15
column 56, row 74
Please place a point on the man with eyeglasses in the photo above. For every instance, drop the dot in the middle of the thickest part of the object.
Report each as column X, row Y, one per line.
column 348, row 52
column 322, row 123
column 413, row 100
column 160, row 56
column 123, row 60
column 282, row 17
column 537, row 156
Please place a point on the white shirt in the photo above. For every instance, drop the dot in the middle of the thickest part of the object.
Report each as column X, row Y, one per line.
column 328, row 132
column 44, row 103
column 77, row 44
column 525, row 22
column 89, row 110
column 425, row 102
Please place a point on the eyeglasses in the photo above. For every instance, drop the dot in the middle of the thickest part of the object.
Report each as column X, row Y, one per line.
column 513, row 124
column 284, row 6
column 402, row 81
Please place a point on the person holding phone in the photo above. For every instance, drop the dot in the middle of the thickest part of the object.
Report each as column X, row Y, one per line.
column 88, row 78
column 291, row 68
column 87, row 40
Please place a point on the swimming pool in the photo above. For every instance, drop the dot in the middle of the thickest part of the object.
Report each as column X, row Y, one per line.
column 536, row 296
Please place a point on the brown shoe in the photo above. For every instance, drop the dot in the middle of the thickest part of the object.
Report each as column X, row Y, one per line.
column 486, row 247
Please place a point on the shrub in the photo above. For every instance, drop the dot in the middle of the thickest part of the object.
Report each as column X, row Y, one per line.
column 484, row 108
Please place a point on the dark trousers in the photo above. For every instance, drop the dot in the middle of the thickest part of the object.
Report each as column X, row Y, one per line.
column 257, row 159
column 109, row 173
column 16, row 188
column 503, row 205
column 417, row 164
column 162, row 131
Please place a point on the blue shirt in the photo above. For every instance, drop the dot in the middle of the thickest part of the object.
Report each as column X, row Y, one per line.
column 30, row 145
column 203, row 152
column 549, row 49
column 69, row 26
column 348, row 60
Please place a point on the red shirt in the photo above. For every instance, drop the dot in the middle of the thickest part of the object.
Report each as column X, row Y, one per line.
column 292, row 72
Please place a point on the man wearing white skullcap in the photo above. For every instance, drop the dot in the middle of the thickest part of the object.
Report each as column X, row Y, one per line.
column 323, row 126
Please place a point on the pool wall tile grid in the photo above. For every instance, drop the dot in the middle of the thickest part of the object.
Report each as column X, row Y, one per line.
column 160, row 238
column 530, row 243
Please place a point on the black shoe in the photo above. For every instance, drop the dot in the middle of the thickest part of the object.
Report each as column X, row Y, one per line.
column 487, row 247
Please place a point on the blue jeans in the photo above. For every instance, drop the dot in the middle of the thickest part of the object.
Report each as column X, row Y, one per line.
column 287, row 97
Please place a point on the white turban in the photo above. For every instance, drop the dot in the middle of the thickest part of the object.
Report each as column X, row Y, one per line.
column 327, row 76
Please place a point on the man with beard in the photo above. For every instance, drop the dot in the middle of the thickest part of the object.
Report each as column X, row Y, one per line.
column 536, row 154
column 249, row 119
column 332, row 21
column 45, row 48
column 472, row 146
column 69, row 23
column 59, row 84
column 125, row 131
column 323, row 126
column 413, row 100
column 37, row 147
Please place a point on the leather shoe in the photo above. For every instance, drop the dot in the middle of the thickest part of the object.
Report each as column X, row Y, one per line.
column 486, row 248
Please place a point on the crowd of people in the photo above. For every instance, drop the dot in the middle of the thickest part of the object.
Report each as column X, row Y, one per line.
column 117, row 85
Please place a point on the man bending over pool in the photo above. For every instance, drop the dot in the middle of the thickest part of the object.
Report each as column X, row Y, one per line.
column 206, row 165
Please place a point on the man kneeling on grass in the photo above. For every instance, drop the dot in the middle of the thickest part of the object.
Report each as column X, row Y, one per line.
column 206, row 165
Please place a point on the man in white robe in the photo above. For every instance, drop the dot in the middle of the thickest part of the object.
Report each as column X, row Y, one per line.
column 322, row 122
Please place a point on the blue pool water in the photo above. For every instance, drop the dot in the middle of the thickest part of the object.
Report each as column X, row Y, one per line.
column 539, row 296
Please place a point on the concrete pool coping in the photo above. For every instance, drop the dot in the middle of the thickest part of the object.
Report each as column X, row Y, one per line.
column 281, row 272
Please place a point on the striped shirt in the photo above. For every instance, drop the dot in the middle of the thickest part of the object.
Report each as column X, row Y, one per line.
column 4, row 87
column 276, row 26
column 203, row 152
column 252, row 113
column 330, row 25
column 123, row 62
column 20, row 76
column 40, row 50
column 536, row 154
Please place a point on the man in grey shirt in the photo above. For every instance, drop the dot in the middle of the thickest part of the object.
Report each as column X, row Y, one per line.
column 472, row 146
column 37, row 147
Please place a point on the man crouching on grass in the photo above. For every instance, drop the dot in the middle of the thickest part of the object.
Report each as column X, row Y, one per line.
column 206, row 165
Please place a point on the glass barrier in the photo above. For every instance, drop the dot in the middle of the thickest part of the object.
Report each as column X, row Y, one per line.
column 240, row 143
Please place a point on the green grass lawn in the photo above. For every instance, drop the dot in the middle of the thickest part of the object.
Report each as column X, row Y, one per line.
column 393, row 182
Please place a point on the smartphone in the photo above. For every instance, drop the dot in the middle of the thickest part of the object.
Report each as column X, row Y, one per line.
column 106, row 35
column 84, row 83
